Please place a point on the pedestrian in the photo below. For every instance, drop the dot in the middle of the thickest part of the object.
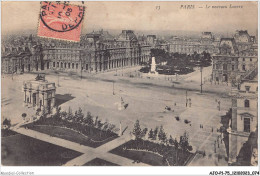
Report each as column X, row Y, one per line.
column 212, row 130
column 201, row 126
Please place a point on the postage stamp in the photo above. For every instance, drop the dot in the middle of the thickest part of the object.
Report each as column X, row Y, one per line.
column 60, row 21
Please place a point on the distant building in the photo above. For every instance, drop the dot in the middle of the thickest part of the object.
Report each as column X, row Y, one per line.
column 243, row 40
column 20, row 59
column 39, row 94
column 231, row 63
column 205, row 43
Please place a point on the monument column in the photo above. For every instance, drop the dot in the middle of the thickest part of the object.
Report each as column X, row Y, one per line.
column 30, row 96
column 53, row 98
column 37, row 100
column 25, row 97
column 42, row 107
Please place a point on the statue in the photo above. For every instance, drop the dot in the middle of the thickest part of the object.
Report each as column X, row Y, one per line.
column 153, row 67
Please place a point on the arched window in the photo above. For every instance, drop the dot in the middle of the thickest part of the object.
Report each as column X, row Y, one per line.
column 77, row 65
column 72, row 65
column 53, row 64
column 68, row 65
column 247, row 105
column 58, row 64
column 61, row 65
column 65, row 65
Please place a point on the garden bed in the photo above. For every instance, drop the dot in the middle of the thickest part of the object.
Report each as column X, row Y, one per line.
column 70, row 135
column 20, row 150
column 152, row 153
column 75, row 132
column 7, row 133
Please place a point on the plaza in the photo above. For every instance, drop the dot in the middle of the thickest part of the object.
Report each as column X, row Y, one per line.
column 146, row 99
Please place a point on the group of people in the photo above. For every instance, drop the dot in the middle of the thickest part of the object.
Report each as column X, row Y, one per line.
column 188, row 102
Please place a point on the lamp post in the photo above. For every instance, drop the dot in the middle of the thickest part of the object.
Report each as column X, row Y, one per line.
column 113, row 89
column 201, row 68
column 186, row 98
column 81, row 68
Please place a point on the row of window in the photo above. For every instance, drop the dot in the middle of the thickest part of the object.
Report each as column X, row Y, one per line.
column 65, row 65
column 233, row 59
column 217, row 66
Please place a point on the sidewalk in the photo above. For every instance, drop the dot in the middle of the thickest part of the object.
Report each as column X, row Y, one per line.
column 89, row 153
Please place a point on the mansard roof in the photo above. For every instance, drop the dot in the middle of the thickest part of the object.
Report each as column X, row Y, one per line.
column 228, row 42
column 101, row 34
column 127, row 35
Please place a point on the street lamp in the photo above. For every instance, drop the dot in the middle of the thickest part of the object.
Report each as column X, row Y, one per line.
column 113, row 89
column 186, row 98
column 201, row 68
column 81, row 68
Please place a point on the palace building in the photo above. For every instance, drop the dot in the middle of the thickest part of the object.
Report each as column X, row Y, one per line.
column 97, row 51
column 206, row 43
column 244, row 114
column 236, row 57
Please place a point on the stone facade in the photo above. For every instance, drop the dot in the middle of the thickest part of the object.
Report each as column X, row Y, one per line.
column 232, row 63
column 97, row 52
column 206, row 43
column 244, row 114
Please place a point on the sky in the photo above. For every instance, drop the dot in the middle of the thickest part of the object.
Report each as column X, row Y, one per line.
column 17, row 16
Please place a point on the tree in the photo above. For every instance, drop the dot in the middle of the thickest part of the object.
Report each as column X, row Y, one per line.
column 184, row 144
column 176, row 146
column 79, row 115
column 111, row 127
column 99, row 124
column 7, row 123
column 171, row 141
column 144, row 132
column 155, row 132
column 89, row 119
column 162, row 135
column 105, row 126
column 24, row 115
column 63, row 115
column 96, row 121
column 150, row 134
column 70, row 115
column 137, row 131
column 58, row 112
